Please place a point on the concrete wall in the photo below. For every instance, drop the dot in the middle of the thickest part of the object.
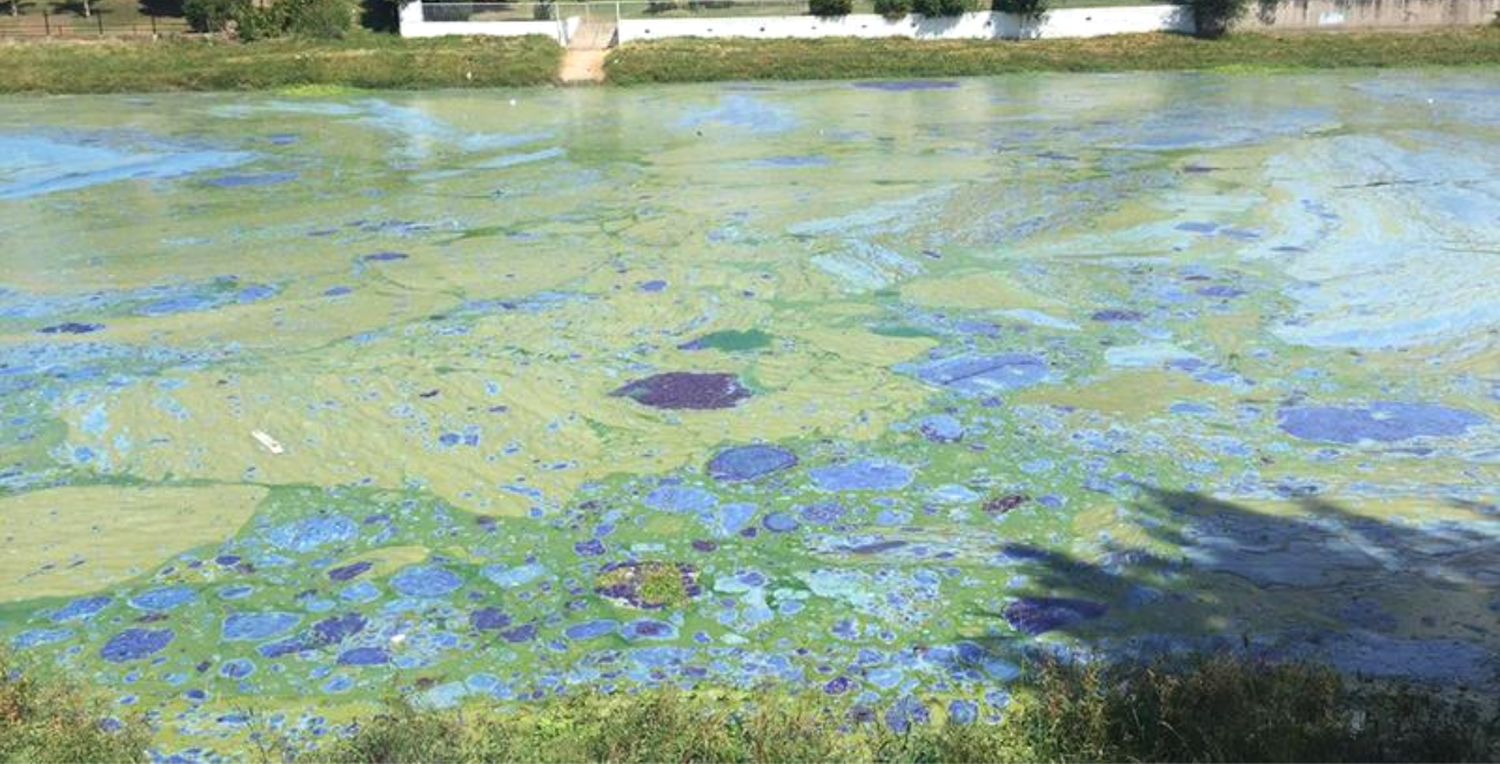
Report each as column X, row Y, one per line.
column 1367, row 14
column 413, row 25
column 1071, row 22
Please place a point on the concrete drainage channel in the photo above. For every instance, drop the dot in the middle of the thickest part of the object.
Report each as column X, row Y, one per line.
column 583, row 60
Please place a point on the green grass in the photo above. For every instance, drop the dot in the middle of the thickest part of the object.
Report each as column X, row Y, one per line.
column 1205, row 708
column 365, row 60
column 694, row 60
column 45, row 717
column 1216, row 708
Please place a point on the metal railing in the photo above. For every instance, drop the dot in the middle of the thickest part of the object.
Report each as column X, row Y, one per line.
column 100, row 24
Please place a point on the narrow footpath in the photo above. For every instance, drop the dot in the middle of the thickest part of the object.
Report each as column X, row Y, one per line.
column 583, row 60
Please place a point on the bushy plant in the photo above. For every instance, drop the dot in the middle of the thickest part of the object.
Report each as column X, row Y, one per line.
column 316, row 19
column 1212, row 18
column 49, row 718
column 939, row 8
column 212, row 16
column 893, row 9
column 1026, row 9
column 826, row 8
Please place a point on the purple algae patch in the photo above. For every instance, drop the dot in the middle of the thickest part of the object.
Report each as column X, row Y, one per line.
column 1038, row 615
column 164, row 598
column 71, row 327
column 237, row 668
column 1384, row 422
column 364, row 656
column 901, row 86
column 822, row 513
column 523, row 633
column 258, row 626
column 906, row 712
column 426, row 581
column 590, row 629
column 647, row 628
column 1116, row 316
column 862, row 475
column 685, row 390
column 590, row 548
column 261, row 179
column 384, row 257
column 654, row 285
column 489, row 619
column 82, row 607
column 352, row 570
column 337, row 628
column 749, row 462
column 134, row 644
column 981, row 374
column 338, row 291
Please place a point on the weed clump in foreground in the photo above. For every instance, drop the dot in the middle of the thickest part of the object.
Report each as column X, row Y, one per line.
column 1218, row 708
column 46, row 718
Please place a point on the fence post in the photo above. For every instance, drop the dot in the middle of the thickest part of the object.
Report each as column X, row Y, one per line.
column 153, row 26
column 100, row 18
column 46, row 22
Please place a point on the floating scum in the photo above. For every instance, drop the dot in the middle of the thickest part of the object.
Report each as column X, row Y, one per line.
column 862, row 388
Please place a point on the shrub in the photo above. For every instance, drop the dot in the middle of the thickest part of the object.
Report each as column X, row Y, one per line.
column 938, row 8
column 826, row 8
column 212, row 15
column 316, row 19
column 50, row 718
column 1212, row 18
column 893, row 9
column 1026, row 9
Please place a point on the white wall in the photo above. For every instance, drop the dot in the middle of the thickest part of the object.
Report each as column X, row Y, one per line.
column 1069, row 22
column 413, row 25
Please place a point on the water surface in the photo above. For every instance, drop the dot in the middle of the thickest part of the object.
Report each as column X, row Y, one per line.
column 852, row 387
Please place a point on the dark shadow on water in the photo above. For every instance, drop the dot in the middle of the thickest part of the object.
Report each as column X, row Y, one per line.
column 1370, row 596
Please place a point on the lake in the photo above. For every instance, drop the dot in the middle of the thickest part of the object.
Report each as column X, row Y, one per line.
column 861, row 388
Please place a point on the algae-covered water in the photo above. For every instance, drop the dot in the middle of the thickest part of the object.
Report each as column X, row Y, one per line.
column 861, row 388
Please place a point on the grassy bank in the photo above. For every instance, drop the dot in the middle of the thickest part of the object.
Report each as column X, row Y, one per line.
column 1211, row 709
column 1214, row 708
column 694, row 60
column 362, row 61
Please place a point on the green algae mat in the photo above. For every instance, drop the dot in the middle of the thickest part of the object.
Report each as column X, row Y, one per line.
column 869, row 389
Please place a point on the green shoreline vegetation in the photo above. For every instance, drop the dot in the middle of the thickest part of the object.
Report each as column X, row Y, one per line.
column 365, row 60
column 1220, row 707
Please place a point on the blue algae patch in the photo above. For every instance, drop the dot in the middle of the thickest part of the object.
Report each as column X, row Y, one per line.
column 862, row 475
column 677, row 498
column 164, row 598
column 260, row 179
column 311, row 533
column 361, row 592
column 749, row 462
column 501, row 575
column 941, row 428
column 385, row 257
column 364, row 656
column 590, row 630
column 794, row 160
column 36, row 637
column 489, row 619
column 822, row 513
column 742, row 111
column 82, row 607
column 34, row 165
column 426, row 581
column 902, row 86
column 258, row 626
column 237, row 668
column 134, row 644
column 981, row 374
column 1382, row 421
column 511, row 160
column 780, row 522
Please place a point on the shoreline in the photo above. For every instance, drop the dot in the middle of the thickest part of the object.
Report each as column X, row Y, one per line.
column 382, row 62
